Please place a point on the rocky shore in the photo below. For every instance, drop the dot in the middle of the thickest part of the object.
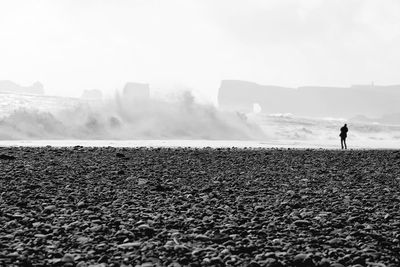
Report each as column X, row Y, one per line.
column 199, row 207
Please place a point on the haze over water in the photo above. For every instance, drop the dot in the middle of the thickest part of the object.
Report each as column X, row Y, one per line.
column 41, row 120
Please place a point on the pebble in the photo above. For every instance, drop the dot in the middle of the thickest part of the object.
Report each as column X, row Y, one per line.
column 68, row 258
column 142, row 181
column 335, row 242
column 226, row 207
column 50, row 208
column 271, row 262
column 143, row 227
column 258, row 208
column 303, row 260
column 201, row 237
column 302, row 222
column 6, row 157
column 41, row 236
column 130, row 245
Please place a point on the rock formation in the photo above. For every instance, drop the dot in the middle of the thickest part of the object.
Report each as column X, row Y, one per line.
column 12, row 87
column 370, row 100
column 136, row 92
column 93, row 94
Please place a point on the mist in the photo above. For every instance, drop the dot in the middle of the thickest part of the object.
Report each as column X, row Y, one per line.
column 119, row 118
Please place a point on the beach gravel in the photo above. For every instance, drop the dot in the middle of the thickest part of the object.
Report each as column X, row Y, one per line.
column 110, row 206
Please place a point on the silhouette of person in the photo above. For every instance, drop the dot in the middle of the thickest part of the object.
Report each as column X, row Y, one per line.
column 343, row 136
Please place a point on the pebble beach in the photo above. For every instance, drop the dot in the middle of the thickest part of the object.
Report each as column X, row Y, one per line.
column 108, row 206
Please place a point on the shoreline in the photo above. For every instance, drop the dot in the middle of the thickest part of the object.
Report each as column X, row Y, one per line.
column 202, row 143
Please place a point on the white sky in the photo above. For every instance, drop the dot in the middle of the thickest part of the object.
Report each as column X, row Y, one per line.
column 97, row 44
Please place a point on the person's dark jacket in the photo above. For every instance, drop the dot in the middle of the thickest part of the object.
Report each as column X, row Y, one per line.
column 343, row 132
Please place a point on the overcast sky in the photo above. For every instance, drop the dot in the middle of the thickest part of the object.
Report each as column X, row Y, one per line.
column 81, row 44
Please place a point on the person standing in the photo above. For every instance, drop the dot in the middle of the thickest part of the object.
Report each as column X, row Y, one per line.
column 343, row 136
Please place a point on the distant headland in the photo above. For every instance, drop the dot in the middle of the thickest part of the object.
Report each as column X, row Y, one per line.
column 369, row 100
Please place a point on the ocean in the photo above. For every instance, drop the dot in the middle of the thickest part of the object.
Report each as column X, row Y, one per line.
column 34, row 120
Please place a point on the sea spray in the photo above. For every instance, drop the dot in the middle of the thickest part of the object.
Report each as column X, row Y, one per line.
column 124, row 119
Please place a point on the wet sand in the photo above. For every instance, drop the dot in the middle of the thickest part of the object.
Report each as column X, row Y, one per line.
column 81, row 206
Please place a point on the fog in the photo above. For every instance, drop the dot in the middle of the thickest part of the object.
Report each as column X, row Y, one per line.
column 74, row 45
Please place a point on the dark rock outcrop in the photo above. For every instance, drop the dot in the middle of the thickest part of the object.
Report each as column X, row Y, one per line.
column 93, row 94
column 12, row 87
column 310, row 101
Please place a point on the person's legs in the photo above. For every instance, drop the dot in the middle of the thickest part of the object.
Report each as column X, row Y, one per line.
column 344, row 141
column 341, row 142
